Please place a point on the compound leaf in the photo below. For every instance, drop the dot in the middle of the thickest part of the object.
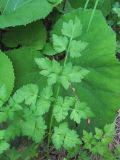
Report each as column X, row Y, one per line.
column 72, row 28
column 27, row 93
column 81, row 111
column 64, row 137
column 76, row 48
column 62, row 107
column 34, row 128
column 60, row 43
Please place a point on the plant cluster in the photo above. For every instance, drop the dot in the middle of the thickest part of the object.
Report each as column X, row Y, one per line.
column 59, row 79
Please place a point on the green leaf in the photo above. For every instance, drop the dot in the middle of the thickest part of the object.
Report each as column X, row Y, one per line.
column 72, row 28
column 73, row 74
column 3, row 146
column 62, row 107
column 56, row 73
column 49, row 50
column 88, row 140
column 99, row 133
column 109, row 130
column 76, row 47
column 55, row 1
column 83, row 155
column 50, row 69
column 64, row 137
column 3, row 94
column 103, row 5
column 32, row 35
column 14, row 13
column 100, row 89
column 26, row 71
column 6, row 78
column 2, row 134
column 44, row 102
column 117, row 11
column 117, row 150
column 13, row 130
column 2, row 117
column 81, row 111
column 13, row 154
column 27, row 94
column 59, row 43
column 34, row 127
column 30, row 152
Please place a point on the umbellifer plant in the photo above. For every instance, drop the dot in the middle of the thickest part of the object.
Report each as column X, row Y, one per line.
column 66, row 81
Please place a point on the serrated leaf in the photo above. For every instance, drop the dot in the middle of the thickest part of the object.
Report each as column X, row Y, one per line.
column 76, row 47
column 13, row 130
column 32, row 35
column 64, row 137
column 60, row 43
column 109, row 130
column 50, row 69
column 3, row 146
column 72, row 28
column 62, row 107
column 27, row 94
column 14, row 13
column 34, row 128
column 81, row 111
column 88, row 140
column 99, row 133
column 6, row 78
column 57, row 73
column 73, row 74
column 44, row 102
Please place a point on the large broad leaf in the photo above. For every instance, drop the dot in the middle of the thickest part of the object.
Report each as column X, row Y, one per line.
column 26, row 71
column 101, row 87
column 6, row 77
column 33, row 35
column 22, row 12
column 103, row 5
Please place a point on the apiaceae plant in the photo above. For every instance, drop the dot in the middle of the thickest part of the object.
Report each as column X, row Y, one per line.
column 59, row 80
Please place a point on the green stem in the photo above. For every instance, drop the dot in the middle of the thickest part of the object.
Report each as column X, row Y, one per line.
column 67, row 52
column 51, row 122
column 86, row 4
column 57, row 94
column 92, row 15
